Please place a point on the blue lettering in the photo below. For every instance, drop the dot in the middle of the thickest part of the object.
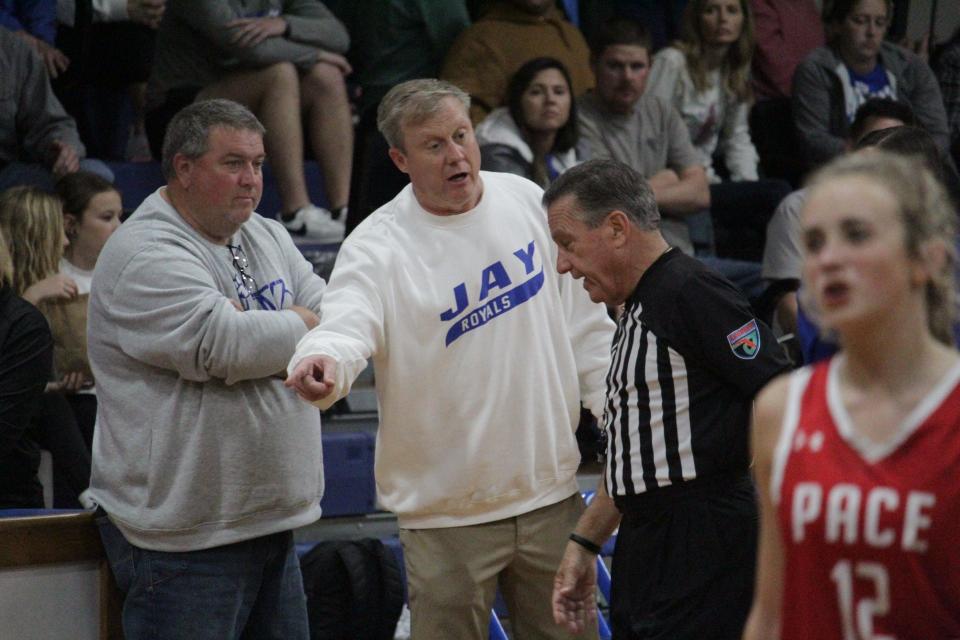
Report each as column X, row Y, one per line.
column 478, row 317
column 493, row 276
column 460, row 296
column 269, row 297
column 526, row 257
column 278, row 291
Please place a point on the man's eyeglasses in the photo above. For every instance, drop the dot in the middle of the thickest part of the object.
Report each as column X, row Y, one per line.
column 242, row 265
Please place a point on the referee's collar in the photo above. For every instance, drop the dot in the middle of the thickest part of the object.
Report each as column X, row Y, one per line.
column 667, row 256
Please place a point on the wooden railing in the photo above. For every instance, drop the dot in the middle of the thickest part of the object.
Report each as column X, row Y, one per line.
column 30, row 546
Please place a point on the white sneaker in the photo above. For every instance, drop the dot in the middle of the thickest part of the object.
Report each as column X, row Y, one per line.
column 315, row 223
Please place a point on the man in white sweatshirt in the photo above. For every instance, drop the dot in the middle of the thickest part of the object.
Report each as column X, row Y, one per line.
column 482, row 355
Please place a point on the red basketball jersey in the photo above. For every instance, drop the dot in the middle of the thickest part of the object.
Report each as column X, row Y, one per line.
column 871, row 533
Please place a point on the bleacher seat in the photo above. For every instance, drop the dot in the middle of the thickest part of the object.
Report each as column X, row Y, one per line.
column 348, row 472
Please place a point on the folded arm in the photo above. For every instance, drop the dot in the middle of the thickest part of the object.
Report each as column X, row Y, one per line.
column 689, row 194
column 177, row 318
column 217, row 21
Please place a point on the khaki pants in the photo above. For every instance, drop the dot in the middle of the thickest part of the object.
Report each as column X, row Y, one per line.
column 453, row 574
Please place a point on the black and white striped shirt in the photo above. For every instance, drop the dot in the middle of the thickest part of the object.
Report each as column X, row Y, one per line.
column 687, row 359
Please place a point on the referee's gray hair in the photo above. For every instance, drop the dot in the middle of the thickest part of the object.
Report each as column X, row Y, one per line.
column 413, row 102
column 189, row 131
column 602, row 186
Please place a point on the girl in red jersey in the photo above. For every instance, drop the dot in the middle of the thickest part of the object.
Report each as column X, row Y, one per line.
column 856, row 457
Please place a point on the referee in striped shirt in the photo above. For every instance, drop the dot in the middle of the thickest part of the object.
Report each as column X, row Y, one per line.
column 687, row 359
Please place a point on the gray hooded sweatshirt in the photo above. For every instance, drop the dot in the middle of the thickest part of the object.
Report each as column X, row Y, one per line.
column 197, row 444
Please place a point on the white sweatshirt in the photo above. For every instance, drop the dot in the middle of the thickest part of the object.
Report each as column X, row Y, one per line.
column 716, row 121
column 481, row 354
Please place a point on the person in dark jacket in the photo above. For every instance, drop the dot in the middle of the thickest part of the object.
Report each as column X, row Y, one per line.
column 26, row 357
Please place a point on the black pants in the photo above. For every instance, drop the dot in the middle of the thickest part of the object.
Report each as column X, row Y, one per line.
column 684, row 562
column 84, row 407
column 105, row 59
column 57, row 431
column 157, row 119
column 375, row 180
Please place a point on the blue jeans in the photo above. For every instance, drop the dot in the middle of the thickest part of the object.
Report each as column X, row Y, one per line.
column 246, row 590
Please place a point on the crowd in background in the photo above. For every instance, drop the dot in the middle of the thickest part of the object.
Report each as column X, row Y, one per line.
column 723, row 106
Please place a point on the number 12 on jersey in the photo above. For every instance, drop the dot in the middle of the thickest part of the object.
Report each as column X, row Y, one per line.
column 857, row 617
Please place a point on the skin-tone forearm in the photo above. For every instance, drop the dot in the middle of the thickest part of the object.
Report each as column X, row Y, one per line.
column 55, row 61
column 575, row 585
column 249, row 32
column 764, row 620
column 55, row 287
column 600, row 519
column 689, row 194
column 310, row 319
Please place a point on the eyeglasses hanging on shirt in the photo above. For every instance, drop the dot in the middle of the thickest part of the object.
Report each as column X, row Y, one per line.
column 242, row 265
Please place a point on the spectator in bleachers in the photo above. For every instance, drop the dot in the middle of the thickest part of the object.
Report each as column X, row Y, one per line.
column 535, row 135
column 706, row 77
column 91, row 213
column 391, row 41
column 32, row 222
column 26, row 357
column 111, row 45
column 36, row 23
column 855, row 65
column 619, row 120
column 202, row 461
column 511, row 32
column 948, row 74
column 482, row 354
column 38, row 140
column 283, row 60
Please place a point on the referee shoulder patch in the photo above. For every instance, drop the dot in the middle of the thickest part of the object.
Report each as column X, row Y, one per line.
column 745, row 341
